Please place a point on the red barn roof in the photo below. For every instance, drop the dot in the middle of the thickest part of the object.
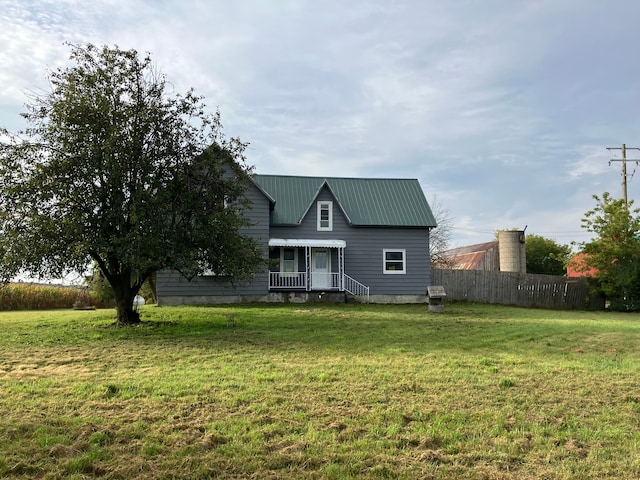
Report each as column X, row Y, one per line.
column 469, row 257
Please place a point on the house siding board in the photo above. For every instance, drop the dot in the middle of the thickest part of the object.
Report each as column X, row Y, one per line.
column 363, row 254
column 171, row 283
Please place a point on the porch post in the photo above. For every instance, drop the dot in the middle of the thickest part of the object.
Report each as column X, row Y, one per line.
column 307, row 265
column 341, row 267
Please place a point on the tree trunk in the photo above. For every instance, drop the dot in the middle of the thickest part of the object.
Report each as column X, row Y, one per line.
column 124, row 295
column 126, row 314
column 152, row 283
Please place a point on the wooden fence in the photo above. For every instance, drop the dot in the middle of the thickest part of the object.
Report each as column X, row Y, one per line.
column 526, row 290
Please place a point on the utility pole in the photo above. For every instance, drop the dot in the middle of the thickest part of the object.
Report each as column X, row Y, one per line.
column 624, row 166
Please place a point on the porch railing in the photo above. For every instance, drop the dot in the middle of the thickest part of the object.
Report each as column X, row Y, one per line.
column 287, row 280
column 319, row 281
column 356, row 288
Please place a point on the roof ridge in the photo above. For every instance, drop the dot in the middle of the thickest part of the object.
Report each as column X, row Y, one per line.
column 325, row 177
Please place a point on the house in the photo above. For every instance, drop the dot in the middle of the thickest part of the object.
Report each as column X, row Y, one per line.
column 324, row 238
column 577, row 267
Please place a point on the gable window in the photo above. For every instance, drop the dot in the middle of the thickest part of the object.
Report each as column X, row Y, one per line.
column 325, row 216
column 394, row 261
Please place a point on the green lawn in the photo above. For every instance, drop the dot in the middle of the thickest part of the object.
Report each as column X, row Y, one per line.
column 309, row 391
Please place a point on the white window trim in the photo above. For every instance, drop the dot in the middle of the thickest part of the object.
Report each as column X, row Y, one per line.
column 404, row 261
column 329, row 205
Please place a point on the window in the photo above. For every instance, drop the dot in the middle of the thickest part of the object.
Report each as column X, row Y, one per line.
column 289, row 260
column 325, row 216
column 283, row 260
column 274, row 259
column 394, row 261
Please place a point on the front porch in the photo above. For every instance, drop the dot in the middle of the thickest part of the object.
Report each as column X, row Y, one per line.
column 310, row 265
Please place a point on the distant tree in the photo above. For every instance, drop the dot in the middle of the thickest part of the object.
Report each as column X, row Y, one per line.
column 615, row 252
column 116, row 171
column 100, row 288
column 545, row 256
column 440, row 237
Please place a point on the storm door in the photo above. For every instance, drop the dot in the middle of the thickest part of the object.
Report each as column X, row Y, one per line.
column 320, row 269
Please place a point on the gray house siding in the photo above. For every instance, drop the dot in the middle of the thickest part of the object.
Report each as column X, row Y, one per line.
column 364, row 252
column 365, row 261
column 173, row 288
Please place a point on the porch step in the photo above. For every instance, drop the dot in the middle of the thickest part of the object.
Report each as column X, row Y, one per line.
column 351, row 298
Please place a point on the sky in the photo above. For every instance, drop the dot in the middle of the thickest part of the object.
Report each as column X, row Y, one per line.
column 503, row 110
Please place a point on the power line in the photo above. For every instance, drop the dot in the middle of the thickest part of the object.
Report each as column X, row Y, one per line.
column 556, row 233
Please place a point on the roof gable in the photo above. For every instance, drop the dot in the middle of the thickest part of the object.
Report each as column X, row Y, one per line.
column 364, row 201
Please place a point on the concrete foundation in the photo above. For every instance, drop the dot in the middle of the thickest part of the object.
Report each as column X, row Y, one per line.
column 284, row 297
column 397, row 299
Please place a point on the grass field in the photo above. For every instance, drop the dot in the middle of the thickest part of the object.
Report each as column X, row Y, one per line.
column 346, row 391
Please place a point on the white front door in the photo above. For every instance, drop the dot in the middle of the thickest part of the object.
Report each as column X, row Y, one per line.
column 320, row 269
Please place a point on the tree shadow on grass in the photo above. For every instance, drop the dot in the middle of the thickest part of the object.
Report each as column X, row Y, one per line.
column 361, row 328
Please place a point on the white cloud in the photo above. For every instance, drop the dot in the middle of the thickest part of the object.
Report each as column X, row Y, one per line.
column 593, row 161
column 504, row 109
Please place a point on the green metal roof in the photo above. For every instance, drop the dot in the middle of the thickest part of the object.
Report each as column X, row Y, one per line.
column 364, row 201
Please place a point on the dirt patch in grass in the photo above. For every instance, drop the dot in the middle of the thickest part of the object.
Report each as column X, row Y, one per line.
column 48, row 363
column 44, row 371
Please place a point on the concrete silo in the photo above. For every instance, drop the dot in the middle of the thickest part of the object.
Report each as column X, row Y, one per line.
column 513, row 257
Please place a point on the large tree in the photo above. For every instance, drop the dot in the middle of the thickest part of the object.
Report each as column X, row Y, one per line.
column 117, row 171
column 545, row 256
column 615, row 251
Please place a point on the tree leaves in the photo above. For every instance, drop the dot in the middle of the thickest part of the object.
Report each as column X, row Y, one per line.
column 114, row 169
column 545, row 256
column 615, row 252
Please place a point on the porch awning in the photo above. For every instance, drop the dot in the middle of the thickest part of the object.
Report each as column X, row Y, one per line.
column 306, row 242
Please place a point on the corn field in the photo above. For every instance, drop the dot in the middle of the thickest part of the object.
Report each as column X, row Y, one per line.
column 28, row 296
